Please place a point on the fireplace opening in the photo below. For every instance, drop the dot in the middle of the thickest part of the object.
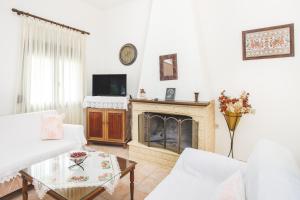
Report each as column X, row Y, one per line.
column 171, row 132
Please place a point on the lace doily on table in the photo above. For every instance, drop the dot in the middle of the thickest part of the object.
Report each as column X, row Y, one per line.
column 105, row 102
column 40, row 189
column 100, row 170
column 9, row 177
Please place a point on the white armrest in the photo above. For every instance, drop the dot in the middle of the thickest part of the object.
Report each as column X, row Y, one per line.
column 74, row 132
column 201, row 163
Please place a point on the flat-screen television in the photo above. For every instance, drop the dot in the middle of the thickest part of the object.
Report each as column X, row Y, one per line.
column 109, row 84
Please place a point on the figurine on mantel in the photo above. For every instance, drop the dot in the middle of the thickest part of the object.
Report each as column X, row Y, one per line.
column 142, row 94
column 196, row 96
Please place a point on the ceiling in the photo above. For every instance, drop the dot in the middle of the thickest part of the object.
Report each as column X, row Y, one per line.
column 105, row 4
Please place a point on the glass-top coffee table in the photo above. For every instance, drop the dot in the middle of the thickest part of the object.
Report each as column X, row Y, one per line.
column 63, row 179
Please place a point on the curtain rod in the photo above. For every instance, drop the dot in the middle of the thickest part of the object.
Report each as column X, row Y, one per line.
column 19, row 12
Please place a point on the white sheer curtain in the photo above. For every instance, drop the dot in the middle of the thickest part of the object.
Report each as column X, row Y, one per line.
column 52, row 69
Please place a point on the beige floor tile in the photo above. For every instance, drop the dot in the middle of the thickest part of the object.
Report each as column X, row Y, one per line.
column 138, row 195
column 148, row 185
column 160, row 173
column 145, row 168
column 120, row 192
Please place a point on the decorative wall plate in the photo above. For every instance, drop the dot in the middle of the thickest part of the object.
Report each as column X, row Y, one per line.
column 128, row 54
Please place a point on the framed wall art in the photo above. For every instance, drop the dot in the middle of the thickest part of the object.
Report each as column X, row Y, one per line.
column 270, row 42
column 168, row 67
column 170, row 94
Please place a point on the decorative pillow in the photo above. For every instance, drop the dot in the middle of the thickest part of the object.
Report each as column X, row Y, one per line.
column 52, row 127
column 232, row 188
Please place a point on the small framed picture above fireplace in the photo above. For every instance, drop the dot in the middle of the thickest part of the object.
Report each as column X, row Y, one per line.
column 168, row 67
column 170, row 94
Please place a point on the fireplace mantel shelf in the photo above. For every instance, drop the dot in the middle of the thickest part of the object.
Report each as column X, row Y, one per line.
column 186, row 103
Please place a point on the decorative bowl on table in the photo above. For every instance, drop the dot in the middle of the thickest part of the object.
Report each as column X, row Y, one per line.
column 78, row 156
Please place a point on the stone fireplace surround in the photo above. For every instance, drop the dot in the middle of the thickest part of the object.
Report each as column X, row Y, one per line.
column 202, row 112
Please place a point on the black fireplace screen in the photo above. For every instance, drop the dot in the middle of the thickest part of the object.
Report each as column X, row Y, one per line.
column 172, row 132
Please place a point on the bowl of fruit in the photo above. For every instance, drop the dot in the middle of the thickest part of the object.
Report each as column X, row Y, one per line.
column 78, row 156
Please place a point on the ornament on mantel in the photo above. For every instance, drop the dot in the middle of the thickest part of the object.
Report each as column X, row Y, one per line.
column 142, row 94
column 233, row 109
column 196, row 94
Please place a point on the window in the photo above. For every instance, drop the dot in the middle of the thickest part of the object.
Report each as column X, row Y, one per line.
column 52, row 69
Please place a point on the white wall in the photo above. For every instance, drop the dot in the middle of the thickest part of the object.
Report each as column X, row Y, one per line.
column 172, row 30
column 216, row 64
column 123, row 24
column 274, row 84
column 70, row 12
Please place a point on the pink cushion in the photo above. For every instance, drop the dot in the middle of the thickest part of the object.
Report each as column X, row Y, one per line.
column 232, row 188
column 52, row 127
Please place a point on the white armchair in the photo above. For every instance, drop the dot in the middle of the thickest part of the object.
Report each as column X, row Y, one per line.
column 270, row 174
column 195, row 176
column 208, row 165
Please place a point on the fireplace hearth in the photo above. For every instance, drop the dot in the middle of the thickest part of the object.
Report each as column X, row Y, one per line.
column 166, row 131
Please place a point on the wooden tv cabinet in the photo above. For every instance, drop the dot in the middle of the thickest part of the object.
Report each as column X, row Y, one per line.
column 107, row 126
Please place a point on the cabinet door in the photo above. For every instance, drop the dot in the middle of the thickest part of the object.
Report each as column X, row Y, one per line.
column 96, row 125
column 115, row 125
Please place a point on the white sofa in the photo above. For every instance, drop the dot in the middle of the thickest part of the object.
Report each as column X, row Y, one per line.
column 21, row 145
column 271, row 173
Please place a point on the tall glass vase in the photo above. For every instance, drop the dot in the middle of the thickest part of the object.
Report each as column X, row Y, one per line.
column 232, row 120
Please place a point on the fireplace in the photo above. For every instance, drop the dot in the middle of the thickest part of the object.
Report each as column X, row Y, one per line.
column 166, row 131
column 161, row 130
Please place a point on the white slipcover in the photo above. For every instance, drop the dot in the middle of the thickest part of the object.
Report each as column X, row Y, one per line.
column 21, row 146
column 271, row 173
column 195, row 176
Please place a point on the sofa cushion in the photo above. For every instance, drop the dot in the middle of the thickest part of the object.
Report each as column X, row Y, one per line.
column 181, row 185
column 272, row 173
column 232, row 188
column 22, row 127
column 52, row 127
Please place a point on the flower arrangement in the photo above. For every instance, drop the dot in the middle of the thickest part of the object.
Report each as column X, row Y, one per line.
column 238, row 106
column 233, row 109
